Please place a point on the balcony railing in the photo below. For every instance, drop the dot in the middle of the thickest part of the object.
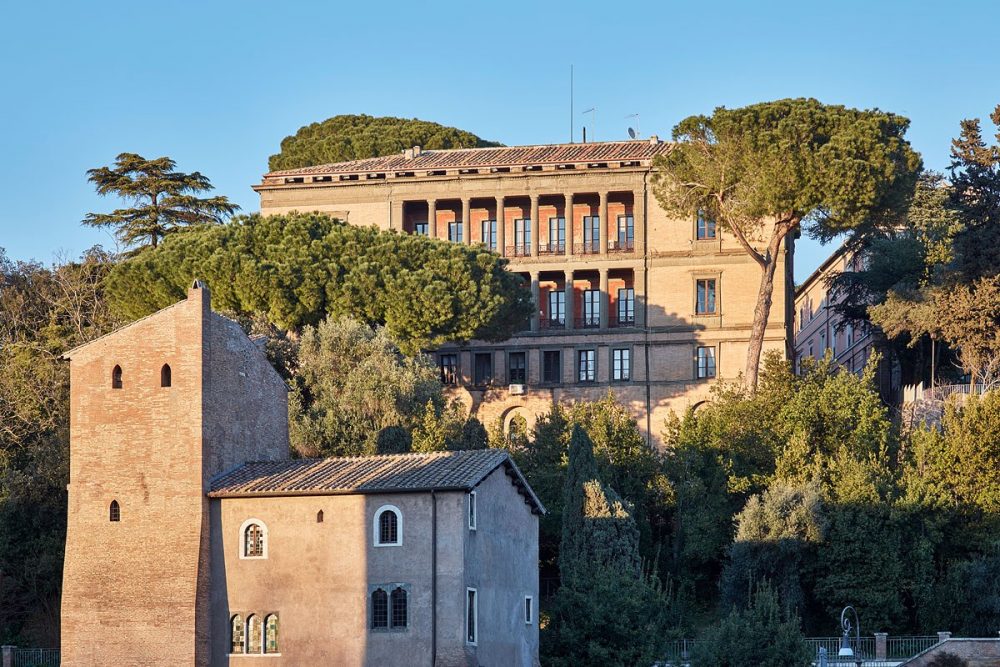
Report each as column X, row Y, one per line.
column 546, row 323
column 587, row 248
column 518, row 250
column 592, row 322
column 551, row 248
column 618, row 322
column 621, row 246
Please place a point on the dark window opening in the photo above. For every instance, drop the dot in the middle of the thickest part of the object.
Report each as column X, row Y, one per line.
column 398, row 608
column 388, row 528
column 380, row 609
column 114, row 512
column 517, row 371
column 319, row 516
column 165, row 378
column 116, row 377
column 483, row 369
column 448, row 368
column 552, row 366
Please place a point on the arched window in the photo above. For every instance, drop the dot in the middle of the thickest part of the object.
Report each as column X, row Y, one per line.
column 319, row 516
column 116, row 377
column 115, row 511
column 236, row 643
column 398, row 607
column 271, row 634
column 253, row 539
column 254, row 644
column 165, row 375
column 388, row 526
column 380, row 609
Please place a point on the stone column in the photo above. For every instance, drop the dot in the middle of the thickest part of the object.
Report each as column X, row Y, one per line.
column 501, row 229
column 639, row 220
column 396, row 215
column 466, row 223
column 605, row 299
column 881, row 645
column 603, row 212
column 943, row 636
column 570, row 300
column 568, row 215
column 536, row 225
column 639, row 289
column 432, row 222
column 536, row 298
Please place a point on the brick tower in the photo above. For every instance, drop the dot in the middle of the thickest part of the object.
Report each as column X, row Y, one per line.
column 158, row 408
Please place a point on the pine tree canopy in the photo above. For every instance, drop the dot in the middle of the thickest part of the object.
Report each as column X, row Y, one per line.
column 297, row 269
column 162, row 200
column 353, row 137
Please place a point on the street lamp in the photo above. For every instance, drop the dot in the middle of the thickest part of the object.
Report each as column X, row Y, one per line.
column 845, row 640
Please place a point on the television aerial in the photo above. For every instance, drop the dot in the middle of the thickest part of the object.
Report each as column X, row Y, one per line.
column 631, row 133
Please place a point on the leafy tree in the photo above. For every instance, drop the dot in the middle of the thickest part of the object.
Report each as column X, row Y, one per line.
column 975, row 176
column 762, row 634
column 762, row 170
column 354, row 137
column 474, row 435
column 352, row 384
column 296, row 269
column 43, row 312
column 162, row 200
column 777, row 535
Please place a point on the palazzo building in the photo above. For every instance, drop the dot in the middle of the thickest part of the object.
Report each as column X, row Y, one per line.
column 629, row 299
column 194, row 539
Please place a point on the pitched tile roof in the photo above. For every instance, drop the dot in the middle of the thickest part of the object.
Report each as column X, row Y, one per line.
column 508, row 156
column 387, row 473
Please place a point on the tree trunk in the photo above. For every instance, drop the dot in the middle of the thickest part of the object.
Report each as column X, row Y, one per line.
column 761, row 312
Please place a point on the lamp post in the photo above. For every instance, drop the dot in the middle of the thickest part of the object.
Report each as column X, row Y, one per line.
column 845, row 640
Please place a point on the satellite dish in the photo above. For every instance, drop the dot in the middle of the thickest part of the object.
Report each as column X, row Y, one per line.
column 631, row 133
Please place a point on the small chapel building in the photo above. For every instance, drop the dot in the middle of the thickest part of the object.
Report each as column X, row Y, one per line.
column 193, row 537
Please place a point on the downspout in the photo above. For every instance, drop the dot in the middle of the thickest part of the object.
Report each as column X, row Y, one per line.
column 434, row 581
column 645, row 310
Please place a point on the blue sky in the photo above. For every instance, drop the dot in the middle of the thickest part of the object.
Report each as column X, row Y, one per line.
column 217, row 85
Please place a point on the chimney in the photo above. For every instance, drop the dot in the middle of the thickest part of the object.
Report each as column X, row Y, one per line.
column 411, row 153
column 653, row 139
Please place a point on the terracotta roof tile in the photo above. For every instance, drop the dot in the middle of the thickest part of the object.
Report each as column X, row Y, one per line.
column 371, row 474
column 511, row 156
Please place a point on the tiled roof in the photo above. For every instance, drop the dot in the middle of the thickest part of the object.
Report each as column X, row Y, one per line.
column 388, row 473
column 607, row 151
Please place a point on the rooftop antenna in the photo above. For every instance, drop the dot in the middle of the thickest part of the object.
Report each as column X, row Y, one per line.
column 570, row 104
column 593, row 122
column 634, row 134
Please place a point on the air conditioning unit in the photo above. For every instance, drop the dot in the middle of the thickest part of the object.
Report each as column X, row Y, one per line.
column 517, row 389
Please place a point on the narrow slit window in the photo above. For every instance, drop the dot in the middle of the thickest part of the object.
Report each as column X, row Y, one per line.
column 472, row 510
column 471, row 616
column 319, row 516
column 114, row 512
column 116, row 377
column 529, row 611
column 165, row 378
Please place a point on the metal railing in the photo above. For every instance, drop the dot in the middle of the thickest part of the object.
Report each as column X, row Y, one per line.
column 621, row 246
column 904, row 648
column 519, row 251
column 592, row 322
column 546, row 323
column 617, row 322
column 35, row 657
column 678, row 653
column 551, row 248
column 942, row 392
column 587, row 248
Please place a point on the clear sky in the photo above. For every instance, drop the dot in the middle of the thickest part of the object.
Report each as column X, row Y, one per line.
column 216, row 85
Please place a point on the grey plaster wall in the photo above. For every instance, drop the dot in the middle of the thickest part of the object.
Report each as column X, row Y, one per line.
column 501, row 558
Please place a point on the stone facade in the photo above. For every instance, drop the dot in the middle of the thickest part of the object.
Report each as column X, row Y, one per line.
column 618, row 239
column 154, row 573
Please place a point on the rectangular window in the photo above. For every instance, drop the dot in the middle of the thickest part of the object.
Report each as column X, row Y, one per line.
column 557, row 307
column 626, row 306
column 455, row 232
column 706, row 227
column 483, row 369
column 705, row 303
column 529, row 609
column 472, row 510
column 448, row 367
column 586, row 365
column 626, row 232
column 420, row 228
column 591, row 233
column 591, row 308
column 706, row 362
column 822, row 342
column 471, row 616
column 517, row 372
column 621, row 364
column 552, row 366
column 850, row 335
column 489, row 234
column 557, row 234
column 522, row 236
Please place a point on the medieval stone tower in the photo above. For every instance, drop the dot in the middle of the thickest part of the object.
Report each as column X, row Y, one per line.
column 157, row 409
